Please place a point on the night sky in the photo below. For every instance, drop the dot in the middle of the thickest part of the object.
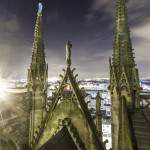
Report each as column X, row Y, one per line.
column 88, row 24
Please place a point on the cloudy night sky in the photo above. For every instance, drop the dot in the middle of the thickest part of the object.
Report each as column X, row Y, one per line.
column 88, row 24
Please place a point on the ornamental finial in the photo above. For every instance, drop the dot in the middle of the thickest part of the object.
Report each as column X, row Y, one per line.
column 68, row 53
column 40, row 8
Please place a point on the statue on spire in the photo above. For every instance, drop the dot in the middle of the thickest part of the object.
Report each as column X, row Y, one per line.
column 68, row 53
column 40, row 8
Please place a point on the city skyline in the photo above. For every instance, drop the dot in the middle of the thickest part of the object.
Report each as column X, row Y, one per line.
column 88, row 24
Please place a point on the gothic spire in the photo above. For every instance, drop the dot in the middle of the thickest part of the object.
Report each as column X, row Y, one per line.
column 37, row 80
column 124, row 79
column 122, row 50
column 38, row 55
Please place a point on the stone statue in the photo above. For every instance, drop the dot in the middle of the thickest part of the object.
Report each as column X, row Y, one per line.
column 40, row 8
column 68, row 53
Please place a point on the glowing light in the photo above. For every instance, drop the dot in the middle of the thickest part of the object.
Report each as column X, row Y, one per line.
column 40, row 8
column 3, row 89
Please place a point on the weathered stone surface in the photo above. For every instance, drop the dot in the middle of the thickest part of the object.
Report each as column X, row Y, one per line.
column 6, row 143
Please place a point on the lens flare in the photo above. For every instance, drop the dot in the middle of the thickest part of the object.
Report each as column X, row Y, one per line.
column 3, row 89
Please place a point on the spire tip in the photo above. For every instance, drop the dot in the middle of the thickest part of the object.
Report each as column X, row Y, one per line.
column 40, row 7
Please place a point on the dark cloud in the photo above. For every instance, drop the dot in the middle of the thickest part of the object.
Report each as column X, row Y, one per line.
column 88, row 24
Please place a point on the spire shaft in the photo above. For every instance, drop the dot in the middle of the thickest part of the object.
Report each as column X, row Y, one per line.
column 38, row 55
column 122, row 53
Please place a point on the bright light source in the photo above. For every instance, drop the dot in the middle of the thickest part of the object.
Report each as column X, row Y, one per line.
column 3, row 89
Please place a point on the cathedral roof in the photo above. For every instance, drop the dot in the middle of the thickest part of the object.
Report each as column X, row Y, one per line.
column 66, row 138
column 141, row 128
column 62, row 140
